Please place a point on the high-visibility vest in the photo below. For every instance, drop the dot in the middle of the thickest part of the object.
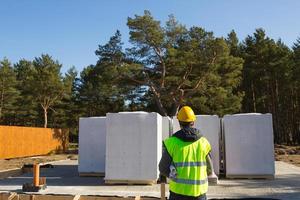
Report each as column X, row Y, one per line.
column 189, row 159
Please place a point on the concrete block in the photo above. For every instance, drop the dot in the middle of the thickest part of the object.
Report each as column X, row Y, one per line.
column 209, row 126
column 249, row 148
column 133, row 146
column 176, row 125
column 166, row 127
column 92, row 140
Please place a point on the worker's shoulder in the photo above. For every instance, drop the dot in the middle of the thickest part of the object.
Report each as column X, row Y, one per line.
column 203, row 138
column 204, row 141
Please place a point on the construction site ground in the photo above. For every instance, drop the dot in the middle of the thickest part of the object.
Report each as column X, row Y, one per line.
column 13, row 163
column 289, row 154
column 64, row 179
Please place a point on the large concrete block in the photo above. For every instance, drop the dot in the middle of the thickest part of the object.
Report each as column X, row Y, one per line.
column 209, row 126
column 165, row 127
column 92, row 140
column 133, row 146
column 249, row 148
column 176, row 125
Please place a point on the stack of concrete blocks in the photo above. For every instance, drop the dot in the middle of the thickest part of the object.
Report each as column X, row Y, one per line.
column 133, row 147
column 209, row 126
column 249, row 147
column 92, row 140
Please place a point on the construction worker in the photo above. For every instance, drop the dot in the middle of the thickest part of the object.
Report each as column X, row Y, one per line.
column 186, row 160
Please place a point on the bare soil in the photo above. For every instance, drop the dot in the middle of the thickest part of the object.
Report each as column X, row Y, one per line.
column 289, row 154
column 19, row 162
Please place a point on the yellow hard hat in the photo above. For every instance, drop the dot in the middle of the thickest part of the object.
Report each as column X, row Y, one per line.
column 186, row 114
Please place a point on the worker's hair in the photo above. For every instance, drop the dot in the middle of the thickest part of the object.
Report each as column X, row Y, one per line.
column 186, row 124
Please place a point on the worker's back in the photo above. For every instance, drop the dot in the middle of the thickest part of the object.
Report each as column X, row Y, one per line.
column 188, row 150
column 184, row 159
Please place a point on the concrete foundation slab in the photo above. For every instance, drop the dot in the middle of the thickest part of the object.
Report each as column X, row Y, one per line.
column 63, row 179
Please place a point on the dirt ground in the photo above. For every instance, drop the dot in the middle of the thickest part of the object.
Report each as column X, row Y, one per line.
column 289, row 154
column 19, row 162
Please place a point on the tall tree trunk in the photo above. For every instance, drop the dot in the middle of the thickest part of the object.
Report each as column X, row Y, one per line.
column 2, row 100
column 273, row 110
column 296, row 124
column 158, row 102
column 253, row 97
column 45, row 117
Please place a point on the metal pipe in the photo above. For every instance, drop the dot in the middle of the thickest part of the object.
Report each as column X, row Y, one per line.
column 36, row 175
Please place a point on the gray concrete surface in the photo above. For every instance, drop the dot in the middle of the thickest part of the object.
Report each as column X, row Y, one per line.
column 64, row 179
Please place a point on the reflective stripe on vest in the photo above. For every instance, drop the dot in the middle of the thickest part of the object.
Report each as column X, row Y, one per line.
column 189, row 159
column 189, row 182
column 189, row 164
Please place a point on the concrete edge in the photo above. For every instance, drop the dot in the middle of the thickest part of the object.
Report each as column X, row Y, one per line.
column 10, row 172
column 11, row 195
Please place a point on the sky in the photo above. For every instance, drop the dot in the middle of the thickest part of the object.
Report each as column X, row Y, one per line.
column 71, row 30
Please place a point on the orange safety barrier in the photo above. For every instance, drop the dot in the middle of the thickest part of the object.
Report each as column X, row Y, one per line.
column 28, row 141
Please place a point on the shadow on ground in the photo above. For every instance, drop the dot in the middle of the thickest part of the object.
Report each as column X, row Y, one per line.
column 60, row 175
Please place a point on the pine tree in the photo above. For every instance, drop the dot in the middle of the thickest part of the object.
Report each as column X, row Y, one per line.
column 47, row 85
column 266, row 81
column 181, row 66
column 100, row 90
column 8, row 93
column 28, row 109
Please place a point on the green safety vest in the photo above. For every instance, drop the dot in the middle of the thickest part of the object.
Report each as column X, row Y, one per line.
column 189, row 159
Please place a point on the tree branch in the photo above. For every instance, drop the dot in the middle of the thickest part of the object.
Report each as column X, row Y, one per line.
column 163, row 74
column 186, row 74
column 194, row 89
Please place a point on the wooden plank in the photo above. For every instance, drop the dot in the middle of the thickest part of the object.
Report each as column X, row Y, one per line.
column 130, row 182
column 106, row 198
column 7, row 196
column 77, row 197
column 12, row 196
column 52, row 197
column 162, row 191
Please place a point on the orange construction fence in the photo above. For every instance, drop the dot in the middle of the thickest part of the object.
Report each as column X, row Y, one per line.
column 28, row 141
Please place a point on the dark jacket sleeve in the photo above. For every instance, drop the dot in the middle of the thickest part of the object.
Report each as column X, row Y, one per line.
column 210, row 167
column 165, row 162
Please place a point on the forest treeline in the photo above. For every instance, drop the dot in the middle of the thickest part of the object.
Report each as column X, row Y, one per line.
column 164, row 67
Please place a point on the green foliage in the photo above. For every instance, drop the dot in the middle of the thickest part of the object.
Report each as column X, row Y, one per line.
column 8, row 92
column 28, row 108
column 99, row 91
column 177, row 64
column 268, row 84
column 47, row 85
